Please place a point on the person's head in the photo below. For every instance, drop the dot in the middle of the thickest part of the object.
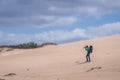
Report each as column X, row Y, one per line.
column 90, row 45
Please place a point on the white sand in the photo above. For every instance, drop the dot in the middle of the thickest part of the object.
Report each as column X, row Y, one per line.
column 63, row 62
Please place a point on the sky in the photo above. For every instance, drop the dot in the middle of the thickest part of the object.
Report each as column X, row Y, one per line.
column 57, row 21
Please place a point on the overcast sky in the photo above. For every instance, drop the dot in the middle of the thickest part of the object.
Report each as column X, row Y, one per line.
column 59, row 21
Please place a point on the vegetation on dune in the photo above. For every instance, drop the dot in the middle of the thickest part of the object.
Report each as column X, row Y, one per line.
column 29, row 45
column 45, row 44
column 22, row 46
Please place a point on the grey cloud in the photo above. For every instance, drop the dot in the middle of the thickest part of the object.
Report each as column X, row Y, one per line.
column 24, row 12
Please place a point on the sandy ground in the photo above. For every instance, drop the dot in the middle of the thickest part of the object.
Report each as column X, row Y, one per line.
column 64, row 62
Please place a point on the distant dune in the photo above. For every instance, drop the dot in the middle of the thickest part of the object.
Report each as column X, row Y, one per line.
column 64, row 62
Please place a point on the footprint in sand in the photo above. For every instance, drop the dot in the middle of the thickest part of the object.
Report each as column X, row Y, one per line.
column 58, row 79
column 2, row 79
column 10, row 74
column 94, row 68
column 27, row 69
column 77, row 62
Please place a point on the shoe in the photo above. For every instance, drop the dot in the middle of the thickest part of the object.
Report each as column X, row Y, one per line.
column 89, row 61
column 86, row 61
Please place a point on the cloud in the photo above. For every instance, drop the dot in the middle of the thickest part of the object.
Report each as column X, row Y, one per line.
column 62, row 36
column 1, row 34
column 27, row 13
column 104, row 30
column 60, row 21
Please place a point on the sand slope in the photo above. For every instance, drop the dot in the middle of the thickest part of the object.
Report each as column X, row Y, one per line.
column 64, row 62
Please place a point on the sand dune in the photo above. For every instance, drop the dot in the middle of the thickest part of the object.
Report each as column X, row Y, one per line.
column 64, row 62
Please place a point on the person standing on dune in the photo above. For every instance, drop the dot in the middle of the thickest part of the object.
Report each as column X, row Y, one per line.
column 88, row 53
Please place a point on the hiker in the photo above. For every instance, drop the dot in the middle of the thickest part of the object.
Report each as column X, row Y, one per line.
column 88, row 53
column 91, row 48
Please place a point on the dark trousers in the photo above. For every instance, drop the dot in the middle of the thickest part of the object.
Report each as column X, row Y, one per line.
column 88, row 57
